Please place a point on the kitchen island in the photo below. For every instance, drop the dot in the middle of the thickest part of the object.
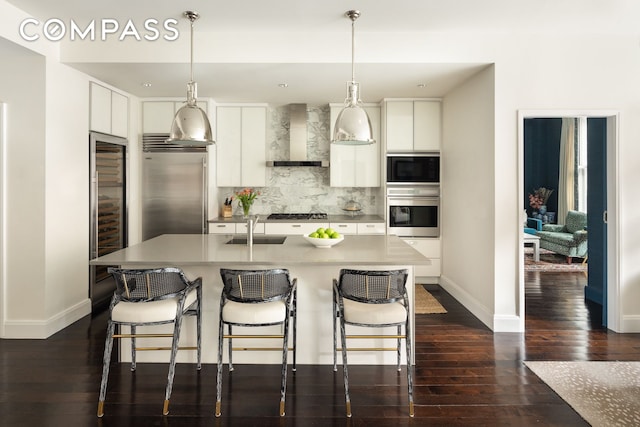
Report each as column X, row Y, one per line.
column 315, row 268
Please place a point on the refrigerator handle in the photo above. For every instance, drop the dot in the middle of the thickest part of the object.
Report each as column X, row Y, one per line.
column 204, row 195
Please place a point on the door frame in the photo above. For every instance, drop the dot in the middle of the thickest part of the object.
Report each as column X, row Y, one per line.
column 613, row 320
column 3, row 216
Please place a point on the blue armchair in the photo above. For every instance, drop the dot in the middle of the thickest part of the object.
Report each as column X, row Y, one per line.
column 568, row 239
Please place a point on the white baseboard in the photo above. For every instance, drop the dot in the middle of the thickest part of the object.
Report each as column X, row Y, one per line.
column 496, row 323
column 630, row 324
column 41, row 329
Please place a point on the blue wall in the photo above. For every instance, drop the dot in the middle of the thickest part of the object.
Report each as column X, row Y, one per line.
column 542, row 158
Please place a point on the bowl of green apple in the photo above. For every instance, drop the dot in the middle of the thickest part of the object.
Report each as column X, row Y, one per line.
column 324, row 237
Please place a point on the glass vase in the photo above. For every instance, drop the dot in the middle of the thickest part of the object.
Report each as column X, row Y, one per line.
column 246, row 210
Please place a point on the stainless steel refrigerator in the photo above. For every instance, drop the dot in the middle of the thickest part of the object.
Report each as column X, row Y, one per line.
column 174, row 188
column 108, row 209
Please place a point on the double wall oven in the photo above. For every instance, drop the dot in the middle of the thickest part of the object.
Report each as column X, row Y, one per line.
column 413, row 194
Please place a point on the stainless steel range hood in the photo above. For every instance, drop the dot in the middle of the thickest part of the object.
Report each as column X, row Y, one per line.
column 298, row 140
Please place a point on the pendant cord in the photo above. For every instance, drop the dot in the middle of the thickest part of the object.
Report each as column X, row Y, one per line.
column 353, row 50
column 191, row 68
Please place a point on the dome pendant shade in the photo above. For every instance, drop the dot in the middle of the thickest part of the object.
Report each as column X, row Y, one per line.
column 191, row 125
column 353, row 126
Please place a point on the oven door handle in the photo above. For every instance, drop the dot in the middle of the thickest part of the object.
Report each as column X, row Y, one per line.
column 413, row 201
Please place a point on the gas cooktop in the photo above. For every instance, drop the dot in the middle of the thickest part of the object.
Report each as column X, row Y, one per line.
column 294, row 216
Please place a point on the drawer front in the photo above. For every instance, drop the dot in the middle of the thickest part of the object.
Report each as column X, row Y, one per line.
column 345, row 227
column 371, row 228
column 428, row 247
column 218, row 228
column 293, row 228
column 241, row 228
column 432, row 270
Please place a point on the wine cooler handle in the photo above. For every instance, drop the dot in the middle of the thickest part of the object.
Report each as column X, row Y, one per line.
column 95, row 207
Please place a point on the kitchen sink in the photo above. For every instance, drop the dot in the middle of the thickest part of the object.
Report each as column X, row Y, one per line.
column 258, row 240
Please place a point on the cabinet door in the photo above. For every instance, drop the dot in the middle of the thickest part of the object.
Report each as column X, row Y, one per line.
column 357, row 165
column 292, row 227
column 371, row 228
column 399, row 121
column 345, row 227
column 426, row 125
column 241, row 228
column 157, row 116
column 100, row 116
column 119, row 115
column 254, row 150
column 367, row 157
column 341, row 157
column 222, row 228
column 228, row 146
column 429, row 247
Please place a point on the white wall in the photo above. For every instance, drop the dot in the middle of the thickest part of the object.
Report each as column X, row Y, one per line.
column 66, row 196
column 22, row 87
column 468, row 195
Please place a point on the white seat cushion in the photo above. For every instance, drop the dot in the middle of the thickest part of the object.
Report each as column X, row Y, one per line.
column 153, row 311
column 373, row 314
column 254, row 313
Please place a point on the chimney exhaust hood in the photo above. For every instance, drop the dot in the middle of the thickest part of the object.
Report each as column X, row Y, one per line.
column 298, row 140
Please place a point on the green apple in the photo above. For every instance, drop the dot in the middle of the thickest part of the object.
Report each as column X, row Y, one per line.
column 314, row 235
column 325, row 236
column 320, row 230
column 335, row 235
column 329, row 231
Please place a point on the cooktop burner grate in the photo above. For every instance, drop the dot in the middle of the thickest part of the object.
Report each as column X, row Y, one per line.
column 294, row 216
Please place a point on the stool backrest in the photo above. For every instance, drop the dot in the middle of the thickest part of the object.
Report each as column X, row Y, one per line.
column 148, row 284
column 373, row 286
column 255, row 285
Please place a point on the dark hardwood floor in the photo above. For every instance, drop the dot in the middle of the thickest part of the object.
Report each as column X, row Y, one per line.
column 465, row 375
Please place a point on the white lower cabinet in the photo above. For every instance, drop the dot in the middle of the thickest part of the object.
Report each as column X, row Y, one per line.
column 293, row 227
column 345, row 227
column 429, row 247
column 233, row 228
column 359, row 227
column 371, row 228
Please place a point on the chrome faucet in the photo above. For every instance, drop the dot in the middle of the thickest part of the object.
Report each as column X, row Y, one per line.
column 251, row 225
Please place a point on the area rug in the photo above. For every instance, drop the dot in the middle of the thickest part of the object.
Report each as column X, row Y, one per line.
column 551, row 261
column 603, row 393
column 425, row 303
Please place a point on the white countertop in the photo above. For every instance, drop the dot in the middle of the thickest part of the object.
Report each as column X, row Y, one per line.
column 330, row 218
column 210, row 249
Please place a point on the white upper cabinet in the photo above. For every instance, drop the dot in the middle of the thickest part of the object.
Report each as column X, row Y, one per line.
column 109, row 111
column 241, row 146
column 413, row 125
column 157, row 116
column 356, row 165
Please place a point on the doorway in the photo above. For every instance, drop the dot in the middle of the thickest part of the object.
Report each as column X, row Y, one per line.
column 601, row 208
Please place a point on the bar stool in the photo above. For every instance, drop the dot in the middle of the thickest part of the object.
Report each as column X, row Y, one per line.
column 371, row 299
column 151, row 297
column 256, row 298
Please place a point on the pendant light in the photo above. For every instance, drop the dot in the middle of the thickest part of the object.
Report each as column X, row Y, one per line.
column 353, row 126
column 190, row 125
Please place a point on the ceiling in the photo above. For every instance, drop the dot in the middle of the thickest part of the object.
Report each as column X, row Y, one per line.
column 316, row 83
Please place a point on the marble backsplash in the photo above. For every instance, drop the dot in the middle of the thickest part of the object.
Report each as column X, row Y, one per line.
column 303, row 189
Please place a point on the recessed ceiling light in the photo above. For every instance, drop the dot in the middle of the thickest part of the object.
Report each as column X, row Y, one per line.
column 421, row 85
column 283, row 85
column 146, row 84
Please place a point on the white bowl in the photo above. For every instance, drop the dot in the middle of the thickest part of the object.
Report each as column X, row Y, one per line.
column 322, row 243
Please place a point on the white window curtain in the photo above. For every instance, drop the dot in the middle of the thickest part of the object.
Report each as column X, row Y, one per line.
column 566, row 182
